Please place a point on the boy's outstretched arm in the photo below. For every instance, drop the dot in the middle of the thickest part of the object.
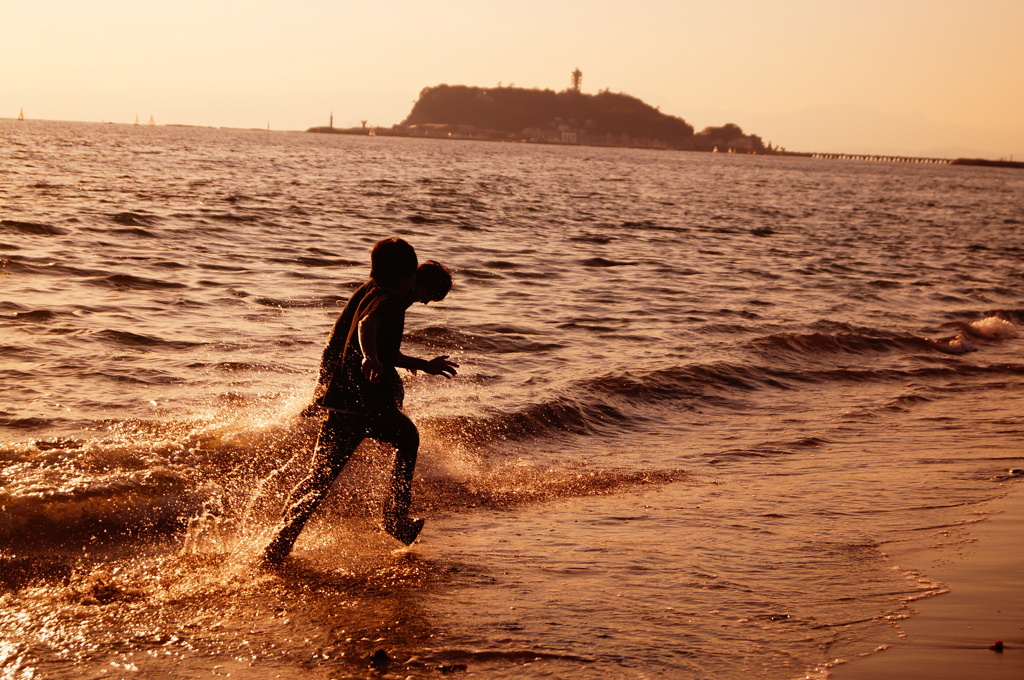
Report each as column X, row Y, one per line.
column 436, row 366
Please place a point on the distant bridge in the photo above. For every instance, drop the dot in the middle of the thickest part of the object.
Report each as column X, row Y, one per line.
column 882, row 159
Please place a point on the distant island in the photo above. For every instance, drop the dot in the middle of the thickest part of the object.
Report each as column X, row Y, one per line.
column 571, row 117
column 547, row 117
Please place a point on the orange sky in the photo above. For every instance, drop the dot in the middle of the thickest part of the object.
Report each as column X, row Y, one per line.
column 899, row 76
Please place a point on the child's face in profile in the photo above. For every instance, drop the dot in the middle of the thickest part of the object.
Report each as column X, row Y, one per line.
column 406, row 285
column 422, row 293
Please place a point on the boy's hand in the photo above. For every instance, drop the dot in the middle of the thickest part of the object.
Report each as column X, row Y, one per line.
column 441, row 366
column 372, row 369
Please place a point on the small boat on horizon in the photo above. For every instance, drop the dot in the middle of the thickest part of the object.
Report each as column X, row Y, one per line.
column 21, row 114
column 151, row 121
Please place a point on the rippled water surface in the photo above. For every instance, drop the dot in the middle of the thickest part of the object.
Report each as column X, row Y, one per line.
column 711, row 413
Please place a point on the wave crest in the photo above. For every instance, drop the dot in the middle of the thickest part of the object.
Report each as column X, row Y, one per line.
column 805, row 344
column 32, row 228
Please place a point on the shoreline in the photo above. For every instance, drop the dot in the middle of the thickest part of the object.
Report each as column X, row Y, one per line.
column 381, row 131
column 952, row 635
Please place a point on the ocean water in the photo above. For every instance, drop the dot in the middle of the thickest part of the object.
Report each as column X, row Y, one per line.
column 712, row 414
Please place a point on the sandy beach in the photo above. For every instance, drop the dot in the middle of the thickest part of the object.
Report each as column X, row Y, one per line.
column 953, row 634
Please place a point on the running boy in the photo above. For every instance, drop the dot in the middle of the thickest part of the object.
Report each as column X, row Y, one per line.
column 363, row 394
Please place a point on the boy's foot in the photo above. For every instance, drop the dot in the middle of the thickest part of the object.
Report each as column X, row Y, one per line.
column 405, row 529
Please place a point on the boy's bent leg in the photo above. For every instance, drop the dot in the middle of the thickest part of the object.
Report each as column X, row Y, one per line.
column 396, row 429
column 339, row 436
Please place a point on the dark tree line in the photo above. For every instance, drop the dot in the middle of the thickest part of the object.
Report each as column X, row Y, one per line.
column 728, row 136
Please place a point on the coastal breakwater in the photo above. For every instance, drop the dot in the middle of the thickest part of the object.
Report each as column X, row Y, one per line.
column 881, row 158
column 916, row 159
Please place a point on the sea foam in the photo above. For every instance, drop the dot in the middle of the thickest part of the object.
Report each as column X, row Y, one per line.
column 993, row 328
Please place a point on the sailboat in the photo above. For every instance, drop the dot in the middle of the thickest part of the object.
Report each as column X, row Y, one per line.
column 151, row 121
column 136, row 119
column 21, row 114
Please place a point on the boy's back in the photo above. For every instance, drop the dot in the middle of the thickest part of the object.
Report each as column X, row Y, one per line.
column 335, row 347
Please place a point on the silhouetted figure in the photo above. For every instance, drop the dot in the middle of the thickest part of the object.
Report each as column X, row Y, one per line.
column 361, row 391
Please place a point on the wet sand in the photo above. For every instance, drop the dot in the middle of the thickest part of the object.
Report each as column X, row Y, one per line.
column 952, row 636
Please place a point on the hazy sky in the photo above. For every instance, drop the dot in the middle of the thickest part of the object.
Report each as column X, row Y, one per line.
column 886, row 75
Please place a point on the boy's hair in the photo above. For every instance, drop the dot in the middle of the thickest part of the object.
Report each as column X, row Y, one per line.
column 392, row 260
column 436, row 277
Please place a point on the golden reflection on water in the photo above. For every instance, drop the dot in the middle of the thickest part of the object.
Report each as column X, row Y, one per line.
column 704, row 404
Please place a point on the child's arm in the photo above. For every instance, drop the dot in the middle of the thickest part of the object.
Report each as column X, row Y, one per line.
column 436, row 366
column 372, row 368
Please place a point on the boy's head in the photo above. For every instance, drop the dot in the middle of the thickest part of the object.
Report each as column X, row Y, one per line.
column 433, row 281
column 393, row 264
